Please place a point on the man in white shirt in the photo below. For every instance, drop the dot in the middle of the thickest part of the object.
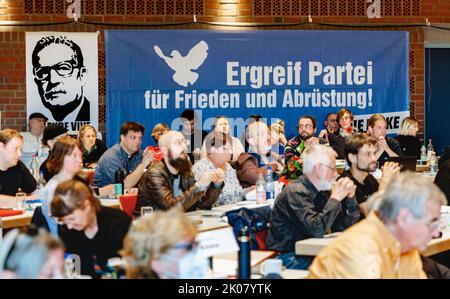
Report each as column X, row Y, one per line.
column 32, row 140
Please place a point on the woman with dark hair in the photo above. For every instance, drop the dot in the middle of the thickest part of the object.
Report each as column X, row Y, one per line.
column 93, row 232
column 222, row 126
column 93, row 148
column 64, row 161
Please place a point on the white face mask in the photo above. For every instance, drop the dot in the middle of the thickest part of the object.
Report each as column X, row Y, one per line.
column 191, row 266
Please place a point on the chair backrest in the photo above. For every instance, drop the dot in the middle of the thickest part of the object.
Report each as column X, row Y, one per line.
column 128, row 203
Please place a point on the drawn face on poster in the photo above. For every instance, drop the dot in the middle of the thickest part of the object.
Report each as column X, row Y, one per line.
column 61, row 76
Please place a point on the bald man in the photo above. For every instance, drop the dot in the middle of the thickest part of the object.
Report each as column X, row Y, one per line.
column 259, row 155
column 170, row 181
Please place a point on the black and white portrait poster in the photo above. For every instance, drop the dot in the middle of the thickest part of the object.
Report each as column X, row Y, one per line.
column 62, row 77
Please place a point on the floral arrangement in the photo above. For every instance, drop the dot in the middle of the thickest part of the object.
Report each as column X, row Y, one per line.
column 294, row 167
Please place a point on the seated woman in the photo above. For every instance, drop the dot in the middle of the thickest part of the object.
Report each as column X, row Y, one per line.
column 31, row 254
column 277, row 138
column 93, row 148
column 407, row 137
column 159, row 130
column 13, row 173
column 386, row 146
column 162, row 245
column 93, row 232
column 219, row 149
column 64, row 161
column 222, row 126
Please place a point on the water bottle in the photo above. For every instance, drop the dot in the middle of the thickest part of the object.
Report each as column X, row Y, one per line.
column 34, row 168
column 433, row 164
column 270, row 189
column 423, row 153
column 244, row 268
column 430, row 149
column 260, row 188
column 119, row 178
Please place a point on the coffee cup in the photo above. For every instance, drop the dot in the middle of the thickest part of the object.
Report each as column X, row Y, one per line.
column 271, row 266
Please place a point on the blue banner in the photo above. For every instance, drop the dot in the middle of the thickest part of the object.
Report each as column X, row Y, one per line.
column 154, row 75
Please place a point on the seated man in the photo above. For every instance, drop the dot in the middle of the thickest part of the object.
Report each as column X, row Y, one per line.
column 51, row 134
column 194, row 137
column 387, row 243
column 219, row 149
column 125, row 156
column 13, row 173
column 303, row 211
column 170, row 182
column 330, row 123
column 386, row 146
column 360, row 154
column 32, row 140
column 258, row 157
column 306, row 127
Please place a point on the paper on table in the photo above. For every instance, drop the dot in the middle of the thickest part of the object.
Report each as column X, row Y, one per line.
column 217, row 241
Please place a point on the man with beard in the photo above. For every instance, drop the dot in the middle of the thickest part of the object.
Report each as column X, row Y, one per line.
column 258, row 157
column 306, row 208
column 125, row 156
column 360, row 153
column 60, row 75
column 170, row 182
column 306, row 127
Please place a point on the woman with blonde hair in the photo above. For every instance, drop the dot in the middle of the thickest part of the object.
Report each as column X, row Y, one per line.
column 93, row 148
column 407, row 137
column 162, row 245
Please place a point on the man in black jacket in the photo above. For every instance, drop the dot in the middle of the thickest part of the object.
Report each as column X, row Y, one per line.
column 306, row 209
column 170, row 182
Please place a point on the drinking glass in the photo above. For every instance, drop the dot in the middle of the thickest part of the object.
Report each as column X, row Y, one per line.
column 20, row 200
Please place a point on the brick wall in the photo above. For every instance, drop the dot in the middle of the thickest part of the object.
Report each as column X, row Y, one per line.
column 34, row 15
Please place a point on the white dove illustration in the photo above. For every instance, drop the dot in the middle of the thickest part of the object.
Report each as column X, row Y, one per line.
column 183, row 65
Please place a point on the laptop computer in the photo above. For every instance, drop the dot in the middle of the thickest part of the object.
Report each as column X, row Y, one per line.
column 406, row 163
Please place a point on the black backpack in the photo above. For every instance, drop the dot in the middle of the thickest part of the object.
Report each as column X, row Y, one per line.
column 257, row 220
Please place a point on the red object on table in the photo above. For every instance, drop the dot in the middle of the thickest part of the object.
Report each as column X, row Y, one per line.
column 128, row 203
column 156, row 152
column 8, row 212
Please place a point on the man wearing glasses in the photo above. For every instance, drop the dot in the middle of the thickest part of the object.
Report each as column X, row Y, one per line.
column 387, row 243
column 306, row 127
column 311, row 206
column 60, row 75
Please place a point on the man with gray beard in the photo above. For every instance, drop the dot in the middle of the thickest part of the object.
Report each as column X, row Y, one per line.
column 170, row 182
column 311, row 206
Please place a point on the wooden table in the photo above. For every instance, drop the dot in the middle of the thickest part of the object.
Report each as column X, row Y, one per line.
column 25, row 218
column 211, row 219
